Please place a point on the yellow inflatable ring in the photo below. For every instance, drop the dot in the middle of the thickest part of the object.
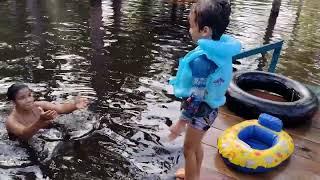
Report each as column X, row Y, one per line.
column 255, row 145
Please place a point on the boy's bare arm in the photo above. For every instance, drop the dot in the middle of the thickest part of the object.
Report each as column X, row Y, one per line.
column 63, row 108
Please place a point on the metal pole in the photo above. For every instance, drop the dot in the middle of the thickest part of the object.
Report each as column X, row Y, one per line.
column 275, row 58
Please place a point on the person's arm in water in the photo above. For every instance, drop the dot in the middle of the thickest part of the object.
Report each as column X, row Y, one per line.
column 64, row 108
column 25, row 132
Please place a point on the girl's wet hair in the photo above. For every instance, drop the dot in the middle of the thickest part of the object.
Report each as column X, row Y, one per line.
column 214, row 14
column 14, row 89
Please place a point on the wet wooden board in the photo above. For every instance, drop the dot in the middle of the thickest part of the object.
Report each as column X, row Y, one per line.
column 295, row 168
column 306, row 148
column 307, row 141
column 303, row 164
column 316, row 120
column 303, row 148
column 308, row 132
column 210, row 174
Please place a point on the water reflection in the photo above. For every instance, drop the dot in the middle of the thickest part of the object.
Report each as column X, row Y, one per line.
column 304, row 45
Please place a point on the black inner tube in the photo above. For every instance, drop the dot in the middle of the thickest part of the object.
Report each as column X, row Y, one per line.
column 265, row 83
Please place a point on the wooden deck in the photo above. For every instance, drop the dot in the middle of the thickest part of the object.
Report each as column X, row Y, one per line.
column 304, row 164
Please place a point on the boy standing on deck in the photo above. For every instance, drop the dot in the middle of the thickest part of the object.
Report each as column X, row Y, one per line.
column 203, row 78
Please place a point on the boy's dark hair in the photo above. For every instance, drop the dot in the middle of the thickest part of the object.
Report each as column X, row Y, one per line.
column 214, row 14
column 13, row 90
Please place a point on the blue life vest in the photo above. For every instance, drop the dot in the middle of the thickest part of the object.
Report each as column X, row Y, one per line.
column 220, row 52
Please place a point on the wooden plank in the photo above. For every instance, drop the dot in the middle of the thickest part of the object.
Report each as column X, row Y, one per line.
column 212, row 161
column 226, row 119
column 316, row 120
column 308, row 133
column 210, row 174
column 223, row 121
column 211, row 137
column 295, row 168
column 225, row 109
column 306, row 148
column 304, row 164
column 303, row 148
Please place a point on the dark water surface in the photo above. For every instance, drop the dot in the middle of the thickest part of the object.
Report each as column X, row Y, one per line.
column 120, row 54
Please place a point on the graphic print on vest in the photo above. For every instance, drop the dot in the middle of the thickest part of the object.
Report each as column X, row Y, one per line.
column 218, row 82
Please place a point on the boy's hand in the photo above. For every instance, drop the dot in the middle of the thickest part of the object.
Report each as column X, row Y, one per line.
column 81, row 102
column 191, row 105
column 47, row 115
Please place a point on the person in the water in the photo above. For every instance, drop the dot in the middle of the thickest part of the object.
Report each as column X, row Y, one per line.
column 29, row 116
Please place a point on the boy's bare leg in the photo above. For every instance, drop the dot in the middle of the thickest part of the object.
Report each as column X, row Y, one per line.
column 193, row 153
column 176, row 129
column 199, row 157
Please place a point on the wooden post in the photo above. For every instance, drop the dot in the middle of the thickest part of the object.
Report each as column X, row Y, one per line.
column 276, row 7
column 96, row 34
